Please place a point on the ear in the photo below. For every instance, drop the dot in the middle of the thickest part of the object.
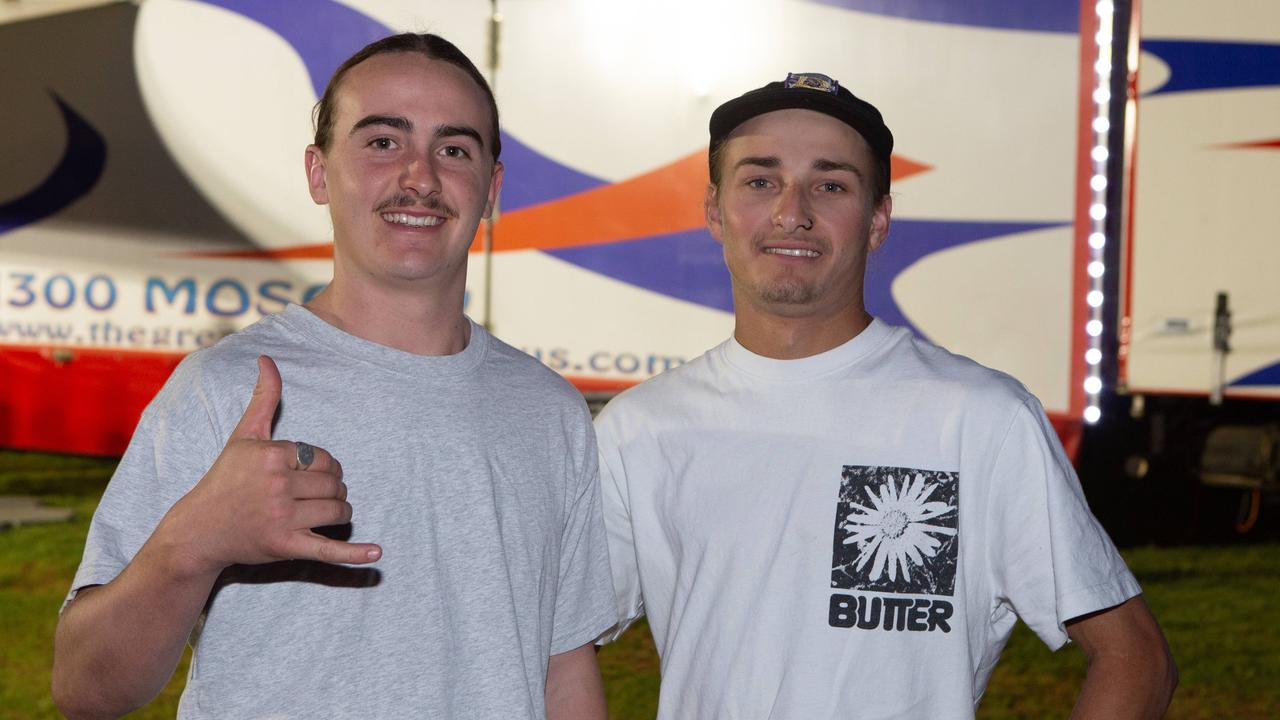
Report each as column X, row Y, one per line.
column 880, row 222
column 711, row 210
column 495, row 187
column 316, row 181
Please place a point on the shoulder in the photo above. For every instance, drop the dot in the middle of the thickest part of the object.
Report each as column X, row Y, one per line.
column 218, row 379
column 926, row 367
column 663, row 400
column 988, row 408
column 525, row 379
column 271, row 336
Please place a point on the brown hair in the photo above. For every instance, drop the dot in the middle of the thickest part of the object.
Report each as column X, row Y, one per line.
column 431, row 46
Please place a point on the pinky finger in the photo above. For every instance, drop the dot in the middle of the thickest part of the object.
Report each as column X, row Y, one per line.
column 316, row 547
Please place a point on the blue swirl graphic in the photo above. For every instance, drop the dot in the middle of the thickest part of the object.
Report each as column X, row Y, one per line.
column 1203, row 65
column 910, row 241
column 74, row 176
column 1269, row 375
column 1037, row 15
column 690, row 266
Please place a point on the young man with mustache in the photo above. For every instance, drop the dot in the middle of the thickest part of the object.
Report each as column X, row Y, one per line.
column 368, row 506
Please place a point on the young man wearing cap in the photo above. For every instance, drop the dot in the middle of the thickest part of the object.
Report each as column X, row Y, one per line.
column 826, row 516
column 469, row 464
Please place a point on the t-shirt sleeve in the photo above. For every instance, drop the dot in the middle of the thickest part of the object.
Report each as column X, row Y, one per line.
column 617, row 521
column 170, row 451
column 1053, row 560
column 584, row 598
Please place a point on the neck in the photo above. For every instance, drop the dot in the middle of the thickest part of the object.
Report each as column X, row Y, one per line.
column 790, row 337
column 399, row 318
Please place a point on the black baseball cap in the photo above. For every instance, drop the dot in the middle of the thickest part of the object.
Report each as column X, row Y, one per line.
column 806, row 91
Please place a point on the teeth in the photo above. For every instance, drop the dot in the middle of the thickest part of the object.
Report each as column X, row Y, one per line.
column 412, row 220
column 793, row 252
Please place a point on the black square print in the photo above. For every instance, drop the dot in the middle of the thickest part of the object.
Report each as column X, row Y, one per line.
column 896, row 530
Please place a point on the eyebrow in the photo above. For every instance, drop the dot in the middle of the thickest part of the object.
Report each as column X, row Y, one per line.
column 758, row 161
column 821, row 165
column 445, row 131
column 830, row 165
column 393, row 121
column 404, row 124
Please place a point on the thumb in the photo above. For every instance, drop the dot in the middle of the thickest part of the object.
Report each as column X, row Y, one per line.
column 255, row 424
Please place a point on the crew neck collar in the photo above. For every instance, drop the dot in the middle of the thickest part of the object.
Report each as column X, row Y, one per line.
column 303, row 320
column 807, row 368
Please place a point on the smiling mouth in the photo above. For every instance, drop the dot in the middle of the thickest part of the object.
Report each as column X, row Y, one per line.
column 412, row 220
column 793, row 252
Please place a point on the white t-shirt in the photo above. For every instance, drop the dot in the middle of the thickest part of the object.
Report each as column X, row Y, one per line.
column 849, row 535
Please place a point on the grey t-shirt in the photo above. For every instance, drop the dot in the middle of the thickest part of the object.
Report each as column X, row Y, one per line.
column 475, row 472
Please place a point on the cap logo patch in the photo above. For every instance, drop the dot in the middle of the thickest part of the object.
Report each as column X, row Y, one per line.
column 812, row 81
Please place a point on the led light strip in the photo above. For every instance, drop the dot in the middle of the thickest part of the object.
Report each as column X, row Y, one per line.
column 1098, row 211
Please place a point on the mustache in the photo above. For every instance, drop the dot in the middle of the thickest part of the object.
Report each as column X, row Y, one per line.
column 432, row 202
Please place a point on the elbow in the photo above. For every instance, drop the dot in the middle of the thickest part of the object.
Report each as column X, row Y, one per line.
column 61, row 686
column 1170, row 675
column 65, row 698
column 78, row 698
column 1162, row 679
column 1168, row 665
column 76, row 704
column 77, row 686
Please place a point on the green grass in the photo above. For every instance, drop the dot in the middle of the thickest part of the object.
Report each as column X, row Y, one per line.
column 37, row 563
column 1218, row 606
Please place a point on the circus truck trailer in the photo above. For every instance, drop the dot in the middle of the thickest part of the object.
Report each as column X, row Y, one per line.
column 1190, row 437
column 153, row 200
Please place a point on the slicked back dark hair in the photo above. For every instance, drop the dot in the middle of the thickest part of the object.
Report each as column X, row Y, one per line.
column 426, row 44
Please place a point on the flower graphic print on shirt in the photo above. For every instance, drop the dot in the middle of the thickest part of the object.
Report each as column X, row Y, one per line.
column 896, row 530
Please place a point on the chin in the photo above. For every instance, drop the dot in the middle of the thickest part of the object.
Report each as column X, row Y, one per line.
column 789, row 293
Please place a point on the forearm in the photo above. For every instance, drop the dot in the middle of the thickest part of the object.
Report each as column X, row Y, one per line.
column 574, row 688
column 117, row 644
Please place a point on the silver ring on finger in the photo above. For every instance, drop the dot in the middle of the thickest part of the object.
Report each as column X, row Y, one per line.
column 306, row 454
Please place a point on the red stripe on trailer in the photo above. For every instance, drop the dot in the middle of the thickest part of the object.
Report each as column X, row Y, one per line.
column 76, row 400
column 599, row 385
column 86, row 401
